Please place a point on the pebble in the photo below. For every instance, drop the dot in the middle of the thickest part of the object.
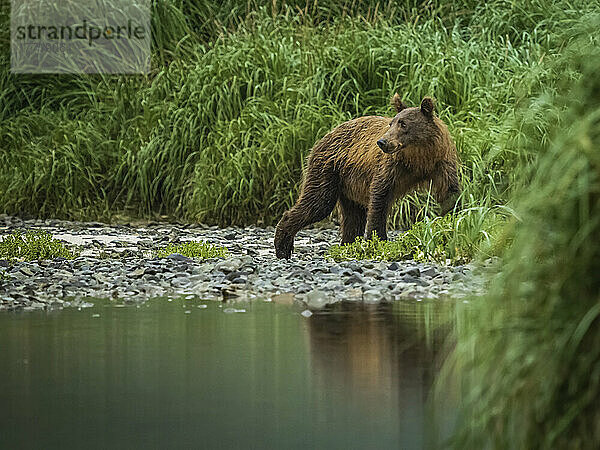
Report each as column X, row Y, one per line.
column 372, row 296
column 317, row 299
column 178, row 257
column 354, row 278
column 133, row 274
column 413, row 272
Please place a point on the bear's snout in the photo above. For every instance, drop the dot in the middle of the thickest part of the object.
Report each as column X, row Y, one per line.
column 382, row 144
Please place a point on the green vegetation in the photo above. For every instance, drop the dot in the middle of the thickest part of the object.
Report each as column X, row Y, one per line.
column 33, row 245
column 455, row 238
column 193, row 249
column 531, row 358
column 370, row 249
column 239, row 93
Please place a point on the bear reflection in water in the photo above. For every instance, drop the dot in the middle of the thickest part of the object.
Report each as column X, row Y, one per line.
column 378, row 356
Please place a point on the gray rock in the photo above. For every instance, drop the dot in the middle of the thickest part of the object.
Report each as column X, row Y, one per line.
column 235, row 274
column 302, row 274
column 354, row 278
column 180, row 282
column 178, row 257
column 413, row 272
column 26, row 271
column 332, row 285
column 458, row 276
column 429, row 272
column 128, row 271
column 372, row 296
column 137, row 273
column 355, row 267
column 373, row 273
column 409, row 279
column 317, row 299
column 229, row 265
column 394, row 266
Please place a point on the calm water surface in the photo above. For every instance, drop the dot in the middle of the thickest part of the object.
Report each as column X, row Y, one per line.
column 158, row 377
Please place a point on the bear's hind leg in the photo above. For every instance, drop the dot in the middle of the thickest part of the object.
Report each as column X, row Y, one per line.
column 317, row 199
column 353, row 220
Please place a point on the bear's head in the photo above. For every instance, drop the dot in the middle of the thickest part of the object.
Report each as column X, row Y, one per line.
column 411, row 128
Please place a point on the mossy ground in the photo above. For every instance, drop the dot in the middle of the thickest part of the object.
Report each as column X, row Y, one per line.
column 193, row 249
column 33, row 245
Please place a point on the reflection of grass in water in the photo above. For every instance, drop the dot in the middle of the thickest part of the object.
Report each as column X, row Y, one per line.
column 431, row 319
column 531, row 355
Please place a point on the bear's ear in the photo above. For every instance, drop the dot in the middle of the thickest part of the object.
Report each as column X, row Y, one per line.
column 396, row 102
column 427, row 106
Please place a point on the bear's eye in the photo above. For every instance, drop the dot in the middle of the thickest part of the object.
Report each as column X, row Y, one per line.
column 403, row 124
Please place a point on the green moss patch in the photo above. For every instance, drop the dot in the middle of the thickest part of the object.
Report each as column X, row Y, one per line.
column 193, row 249
column 33, row 245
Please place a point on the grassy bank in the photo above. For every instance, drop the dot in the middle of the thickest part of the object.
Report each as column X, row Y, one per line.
column 530, row 359
column 219, row 131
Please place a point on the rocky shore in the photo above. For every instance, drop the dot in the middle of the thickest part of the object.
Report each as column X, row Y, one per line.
column 117, row 262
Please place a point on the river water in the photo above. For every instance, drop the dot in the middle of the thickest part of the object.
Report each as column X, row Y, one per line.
column 194, row 374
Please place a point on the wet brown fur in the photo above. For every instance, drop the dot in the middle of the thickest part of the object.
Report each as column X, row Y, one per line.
column 348, row 167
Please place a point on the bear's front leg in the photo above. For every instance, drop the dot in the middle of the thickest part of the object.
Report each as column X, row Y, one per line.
column 379, row 206
column 284, row 237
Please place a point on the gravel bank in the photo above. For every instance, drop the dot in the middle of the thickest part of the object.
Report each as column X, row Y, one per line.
column 117, row 263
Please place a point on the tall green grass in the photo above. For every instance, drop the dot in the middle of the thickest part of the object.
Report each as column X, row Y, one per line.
column 239, row 93
column 530, row 361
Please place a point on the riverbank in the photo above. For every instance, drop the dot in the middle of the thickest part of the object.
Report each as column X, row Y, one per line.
column 117, row 262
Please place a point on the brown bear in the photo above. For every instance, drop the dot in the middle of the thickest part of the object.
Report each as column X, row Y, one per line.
column 366, row 164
